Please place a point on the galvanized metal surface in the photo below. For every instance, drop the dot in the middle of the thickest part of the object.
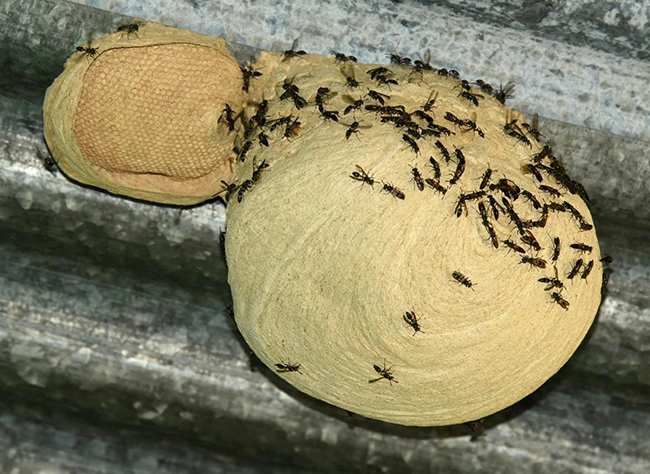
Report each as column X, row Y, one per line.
column 116, row 354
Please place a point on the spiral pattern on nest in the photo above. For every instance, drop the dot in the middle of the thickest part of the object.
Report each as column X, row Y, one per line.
column 324, row 265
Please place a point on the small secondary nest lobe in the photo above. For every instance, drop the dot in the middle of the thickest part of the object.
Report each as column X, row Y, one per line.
column 324, row 266
column 140, row 116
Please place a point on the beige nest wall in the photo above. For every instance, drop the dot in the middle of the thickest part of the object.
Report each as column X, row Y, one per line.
column 324, row 267
column 387, row 230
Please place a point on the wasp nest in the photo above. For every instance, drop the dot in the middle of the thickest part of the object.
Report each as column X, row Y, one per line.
column 399, row 243
column 137, row 113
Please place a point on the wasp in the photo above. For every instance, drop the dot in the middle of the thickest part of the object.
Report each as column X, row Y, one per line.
column 377, row 96
column 453, row 119
column 576, row 268
column 513, row 216
column 288, row 367
column 474, row 195
column 354, row 128
column 354, row 104
column 430, row 132
column 414, row 133
column 411, row 143
column 330, row 115
column 473, row 98
column 607, row 260
column 535, row 262
column 130, row 29
column 257, row 171
column 431, row 100
column 292, row 129
column 264, row 140
column 504, row 92
column 572, row 210
column 280, row 122
column 396, row 60
column 485, row 179
column 557, row 246
column 417, row 177
column 581, row 221
column 249, row 183
column 412, row 320
column 378, row 71
column 484, row 86
column 555, row 206
column 507, row 187
column 552, row 191
column 322, row 95
column 248, row 73
column 533, row 129
column 463, row 85
column 494, row 205
column 292, row 53
column 49, row 163
column 291, row 92
column 385, row 373
column 230, row 119
column 260, row 114
column 559, row 300
column 420, row 66
column 436, row 185
column 393, row 191
column 471, row 125
column 460, row 166
column 350, row 78
column 424, row 116
column 552, row 282
column 229, row 188
column 381, row 79
column 243, row 188
column 514, row 246
column 460, row 206
column 530, row 169
column 462, row 279
column 436, row 168
column 577, row 188
column 522, row 138
column 361, row 175
column 486, row 223
column 245, row 149
column 533, row 200
column 546, row 151
column 541, row 222
column 587, row 270
column 582, row 247
column 528, row 239
column 342, row 58
column 88, row 51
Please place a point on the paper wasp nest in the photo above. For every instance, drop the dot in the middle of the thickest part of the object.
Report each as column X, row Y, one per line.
column 408, row 256
column 399, row 243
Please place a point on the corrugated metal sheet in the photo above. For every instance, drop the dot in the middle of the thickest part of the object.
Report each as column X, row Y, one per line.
column 116, row 354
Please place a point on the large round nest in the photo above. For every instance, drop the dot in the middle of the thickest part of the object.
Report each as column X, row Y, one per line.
column 324, row 267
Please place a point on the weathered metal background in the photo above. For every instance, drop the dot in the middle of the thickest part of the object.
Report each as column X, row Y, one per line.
column 116, row 354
